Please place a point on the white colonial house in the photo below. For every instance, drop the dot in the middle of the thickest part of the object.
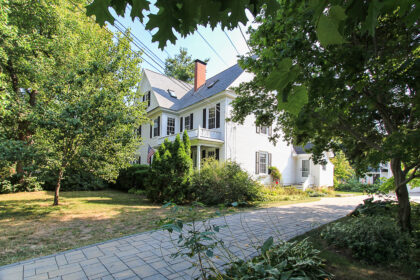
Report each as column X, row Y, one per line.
column 202, row 109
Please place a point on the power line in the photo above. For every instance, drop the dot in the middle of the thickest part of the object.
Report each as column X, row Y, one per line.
column 233, row 45
column 243, row 36
column 211, row 47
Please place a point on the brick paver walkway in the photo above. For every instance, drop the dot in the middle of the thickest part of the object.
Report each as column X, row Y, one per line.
column 147, row 255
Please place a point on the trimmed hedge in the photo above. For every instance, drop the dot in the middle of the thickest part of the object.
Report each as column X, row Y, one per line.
column 132, row 177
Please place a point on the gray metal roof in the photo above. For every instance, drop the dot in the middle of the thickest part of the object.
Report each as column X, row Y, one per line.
column 303, row 150
column 185, row 92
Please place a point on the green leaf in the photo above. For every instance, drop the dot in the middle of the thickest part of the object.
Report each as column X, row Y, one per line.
column 328, row 26
column 281, row 77
column 372, row 17
column 267, row 245
column 99, row 8
column 296, row 99
column 138, row 7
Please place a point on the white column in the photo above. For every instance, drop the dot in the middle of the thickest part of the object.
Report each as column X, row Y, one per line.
column 198, row 157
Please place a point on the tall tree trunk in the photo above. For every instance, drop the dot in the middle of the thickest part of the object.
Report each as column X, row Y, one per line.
column 57, row 186
column 404, row 211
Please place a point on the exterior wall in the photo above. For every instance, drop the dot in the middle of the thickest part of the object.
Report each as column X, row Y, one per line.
column 242, row 142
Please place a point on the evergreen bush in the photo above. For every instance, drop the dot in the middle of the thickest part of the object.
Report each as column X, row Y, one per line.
column 170, row 176
column 132, row 177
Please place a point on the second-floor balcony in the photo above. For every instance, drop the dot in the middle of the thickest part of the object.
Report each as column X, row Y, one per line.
column 199, row 134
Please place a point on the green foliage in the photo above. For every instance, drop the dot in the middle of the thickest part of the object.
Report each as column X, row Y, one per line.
column 360, row 77
column 342, row 168
column 373, row 239
column 223, row 183
column 354, row 185
column 270, row 194
column 13, row 184
column 74, row 180
column 275, row 173
column 132, row 177
column 181, row 66
column 70, row 92
column 170, row 176
column 181, row 16
column 295, row 260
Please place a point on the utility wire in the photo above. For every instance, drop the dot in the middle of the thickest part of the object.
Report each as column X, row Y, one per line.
column 233, row 45
column 243, row 36
column 212, row 48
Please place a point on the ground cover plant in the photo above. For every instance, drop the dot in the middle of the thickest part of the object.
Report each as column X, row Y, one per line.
column 369, row 245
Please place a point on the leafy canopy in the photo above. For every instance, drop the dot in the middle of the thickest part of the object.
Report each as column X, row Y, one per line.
column 181, row 66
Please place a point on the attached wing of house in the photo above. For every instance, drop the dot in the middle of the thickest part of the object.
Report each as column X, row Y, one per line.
column 202, row 109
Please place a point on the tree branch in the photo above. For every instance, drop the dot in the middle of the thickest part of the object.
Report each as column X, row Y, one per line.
column 412, row 176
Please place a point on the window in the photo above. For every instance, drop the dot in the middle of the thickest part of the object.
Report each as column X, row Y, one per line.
column 146, row 98
column 139, row 131
column 172, row 93
column 211, row 154
column 156, row 127
column 212, row 118
column 264, row 130
column 263, row 163
column 170, row 129
column 305, row 168
column 139, row 160
column 187, row 123
column 324, row 167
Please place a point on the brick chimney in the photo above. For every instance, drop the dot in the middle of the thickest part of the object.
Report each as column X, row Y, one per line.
column 199, row 74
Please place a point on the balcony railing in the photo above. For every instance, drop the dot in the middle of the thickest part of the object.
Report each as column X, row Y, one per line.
column 199, row 133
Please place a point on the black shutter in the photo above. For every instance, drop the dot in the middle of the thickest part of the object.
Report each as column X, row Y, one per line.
column 269, row 160
column 144, row 96
column 204, row 117
column 181, row 124
column 139, row 131
column 151, row 131
column 258, row 129
column 217, row 154
column 203, row 154
column 191, row 121
column 158, row 134
column 257, row 162
column 217, row 115
column 148, row 99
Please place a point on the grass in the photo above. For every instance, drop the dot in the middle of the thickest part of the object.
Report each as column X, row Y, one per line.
column 344, row 267
column 31, row 227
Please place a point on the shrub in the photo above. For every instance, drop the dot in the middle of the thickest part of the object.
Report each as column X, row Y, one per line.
column 373, row 239
column 353, row 185
column 268, row 194
column 132, row 177
column 223, row 183
column 275, row 173
column 74, row 180
column 296, row 260
column 170, row 176
column 14, row 184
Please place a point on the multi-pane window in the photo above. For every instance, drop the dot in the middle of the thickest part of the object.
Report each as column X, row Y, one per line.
column 263, row 163
column 170, row 128
column 264, row 129
column 211, row 154
column 212, row 118
column 305, row 167
column 187, row 123
column 156, row 127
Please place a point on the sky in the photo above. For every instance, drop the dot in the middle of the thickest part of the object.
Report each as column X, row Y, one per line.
column 195, row 45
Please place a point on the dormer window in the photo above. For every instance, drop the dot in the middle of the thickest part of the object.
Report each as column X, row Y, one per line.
column 172, row 93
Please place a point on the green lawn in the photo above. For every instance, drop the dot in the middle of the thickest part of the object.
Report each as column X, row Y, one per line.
column 30, row 227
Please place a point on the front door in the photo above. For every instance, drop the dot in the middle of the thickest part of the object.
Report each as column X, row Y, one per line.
column 305, row 168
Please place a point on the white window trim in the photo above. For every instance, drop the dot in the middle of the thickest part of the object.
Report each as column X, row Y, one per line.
column 309, row 168
column 185, row 122
column 167, row 126
column 208, row 117
column 155, row 127
column 266, row 163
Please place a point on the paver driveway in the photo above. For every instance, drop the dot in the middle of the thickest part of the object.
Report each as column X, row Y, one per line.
column 147, row 255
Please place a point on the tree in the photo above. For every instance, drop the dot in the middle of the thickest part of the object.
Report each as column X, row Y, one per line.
column 181, row 66
column 342, row 168
column 75, row 91
column 170, row 175
column 358, row 95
